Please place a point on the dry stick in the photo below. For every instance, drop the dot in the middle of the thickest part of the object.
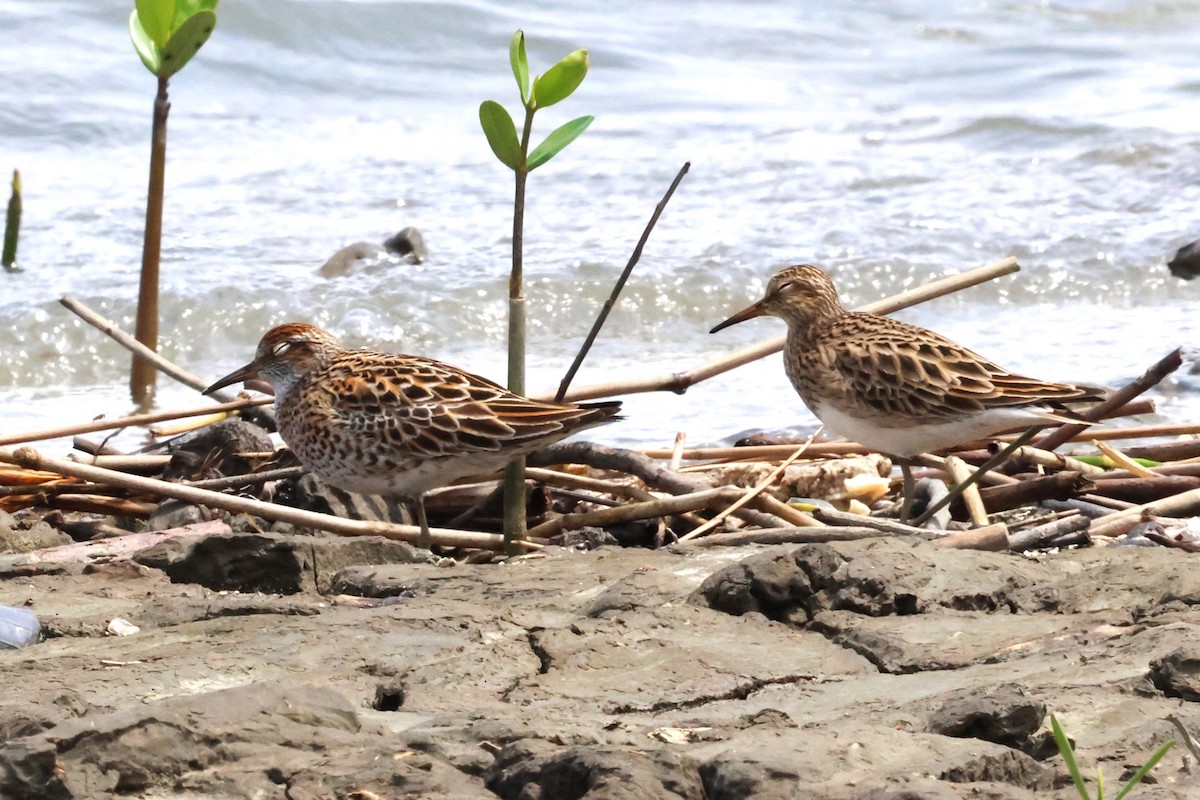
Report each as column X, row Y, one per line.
column 755, row 491
column 248, row 479
column 771, row 452
column 553, row 477
column 1121, row 521
column 679, row 382
column 1062, row 485
column 802, row 535
column 960, row 472
column 612, row 298
column 1032, row 538
column 1044, row 458
column 635, row 511
column 122, row 422
column 1189, row 741
column 28, row 457
column 941, row 463
column 634, row 463
column 962, row 486
column 137, row 348
column 1151, row 377
column 677, row 451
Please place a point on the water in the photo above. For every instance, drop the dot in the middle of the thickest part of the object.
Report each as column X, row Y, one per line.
column 890, row 142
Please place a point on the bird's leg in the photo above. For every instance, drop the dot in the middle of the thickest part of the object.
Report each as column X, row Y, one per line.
column 425, row 540
column 910, row 490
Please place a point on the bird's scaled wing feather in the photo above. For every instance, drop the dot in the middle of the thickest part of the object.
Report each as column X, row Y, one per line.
column 903, row 369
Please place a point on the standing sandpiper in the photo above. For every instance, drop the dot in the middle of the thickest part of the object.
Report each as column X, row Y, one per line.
column 398, row 425
column 895, row 387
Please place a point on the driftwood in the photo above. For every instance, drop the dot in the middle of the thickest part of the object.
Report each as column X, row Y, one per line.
column 785, row 536
column 1146, row 490
column 1056, row 486
column 1040, row 535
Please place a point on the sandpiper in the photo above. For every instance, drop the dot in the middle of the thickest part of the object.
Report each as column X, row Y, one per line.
column 895, row 387
column 398, row 425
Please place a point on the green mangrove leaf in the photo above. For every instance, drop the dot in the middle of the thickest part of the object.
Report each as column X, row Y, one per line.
column 1068, row 756
column 561, row 79
column 1145, row 769
column 501, row 133
column 156, row 17
column 559, row 138
column 146, row 49
column 520, row 64
column 184, row 43
column 185, row 9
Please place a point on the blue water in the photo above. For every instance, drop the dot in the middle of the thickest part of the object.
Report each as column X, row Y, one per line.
column 890, row 142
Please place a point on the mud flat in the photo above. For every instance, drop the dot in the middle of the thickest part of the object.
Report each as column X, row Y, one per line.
column 284, row 666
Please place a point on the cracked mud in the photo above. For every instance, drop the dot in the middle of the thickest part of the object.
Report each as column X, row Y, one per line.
column 292, row 667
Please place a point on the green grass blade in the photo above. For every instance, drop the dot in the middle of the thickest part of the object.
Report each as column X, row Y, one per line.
column 1068, row 755
column 1145, row 768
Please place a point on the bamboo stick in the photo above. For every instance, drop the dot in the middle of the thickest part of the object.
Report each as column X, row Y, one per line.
column 636, row 511
column 960, row 472
column 123, row 422
column 1120, row 522
column 769, row 452
column 802, row 535
column 28, row 457
column 1033, row 538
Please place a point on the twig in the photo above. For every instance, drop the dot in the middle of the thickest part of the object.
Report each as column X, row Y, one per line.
column 249, row 479
column 677, row 451
column 28, row 457
column 771, row 452
column 992, row 538
column 756, row 490
column 960, row 472
column 1033, row 538
column 612, row 298
column 123, row 422
column 631, row 462
column 1121, row 521
column 962, row 486
column 679, row 382
column 1189, row 741
column 635, row 511
column 787, row 536
column 1151, row 377
column 831, row 517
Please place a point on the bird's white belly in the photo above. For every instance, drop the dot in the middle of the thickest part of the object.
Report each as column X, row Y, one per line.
column 893, row 437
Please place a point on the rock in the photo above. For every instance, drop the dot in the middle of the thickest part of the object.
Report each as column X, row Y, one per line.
column 733, row 777
column 408, row 242
column 535, row 769
column 1006, row 715
column 1009, row 767
column 24, row 535
column 215, row 450
column 270, row 562
column 1186, row 263
column 170, row 514
column 312, row 494
column 1177, row 674
column 145, row 747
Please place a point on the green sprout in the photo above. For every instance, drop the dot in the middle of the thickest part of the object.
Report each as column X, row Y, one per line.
column 165, row 34
column 554, row 86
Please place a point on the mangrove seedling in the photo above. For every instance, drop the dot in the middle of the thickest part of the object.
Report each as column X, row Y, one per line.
column 12, row 225
column 166, row 34
column 554, row 86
